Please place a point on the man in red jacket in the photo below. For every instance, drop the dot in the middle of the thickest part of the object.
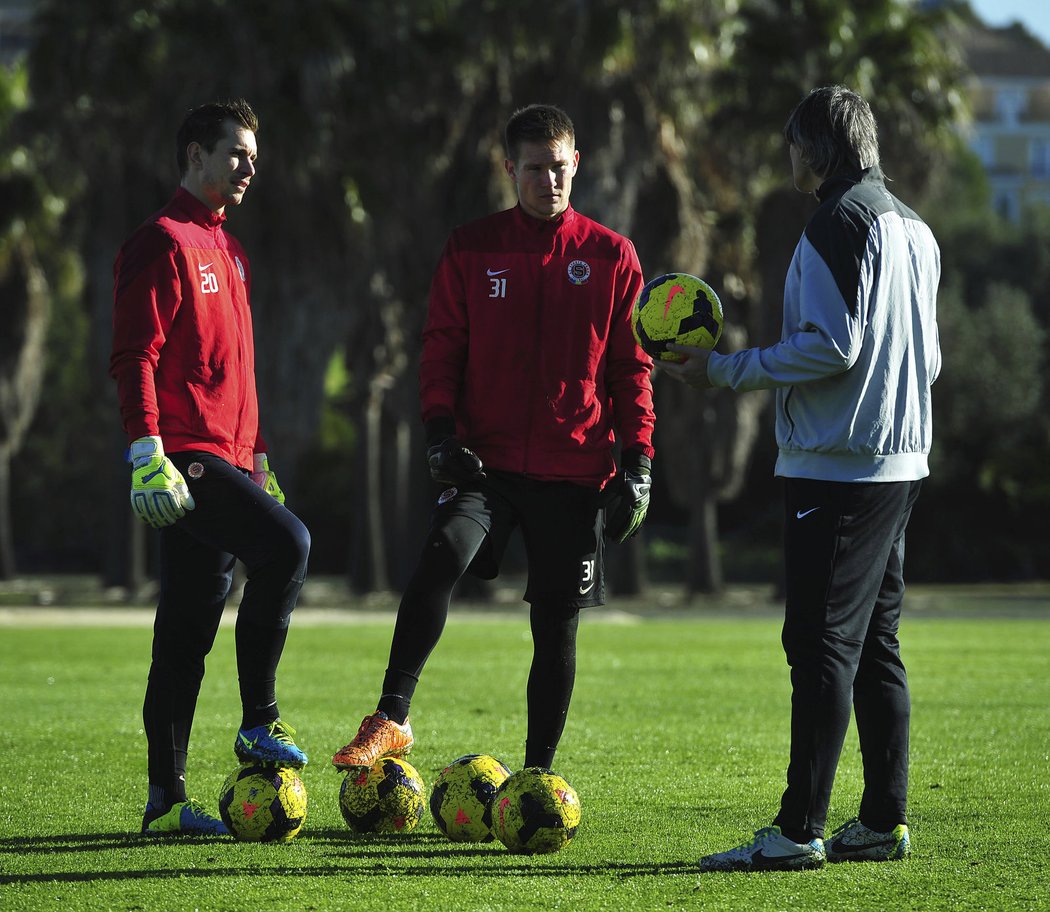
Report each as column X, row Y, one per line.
column 184, row 362
column 529, row 375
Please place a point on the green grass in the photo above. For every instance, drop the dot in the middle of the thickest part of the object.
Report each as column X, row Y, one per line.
column 676, row 743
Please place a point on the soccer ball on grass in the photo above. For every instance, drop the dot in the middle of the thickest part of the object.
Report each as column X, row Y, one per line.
column 676, row 307
column 535, row 811
column 388, row 797
column 263, row 803
column 461, row 800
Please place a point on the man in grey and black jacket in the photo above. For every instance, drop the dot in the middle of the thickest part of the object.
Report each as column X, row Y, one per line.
column 852, row 373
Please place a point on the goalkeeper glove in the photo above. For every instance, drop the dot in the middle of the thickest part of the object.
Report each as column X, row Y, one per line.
column 449, row 461
column 159, row 494
column 264, row 477
column 627, row 497
column 452, row 463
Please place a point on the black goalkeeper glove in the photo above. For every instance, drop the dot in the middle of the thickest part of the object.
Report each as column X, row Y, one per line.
column 627, row 496
column 449, row 461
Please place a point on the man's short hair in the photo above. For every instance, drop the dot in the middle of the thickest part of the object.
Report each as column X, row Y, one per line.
column 834, row 131
column 207, row 123
column 541, row 123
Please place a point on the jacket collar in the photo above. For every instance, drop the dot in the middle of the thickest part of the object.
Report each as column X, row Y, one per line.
column 535, row 224
column 196, row 211
column 839, row 183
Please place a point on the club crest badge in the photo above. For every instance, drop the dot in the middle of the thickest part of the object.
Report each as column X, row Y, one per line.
column 447, row 495
column 579, row 272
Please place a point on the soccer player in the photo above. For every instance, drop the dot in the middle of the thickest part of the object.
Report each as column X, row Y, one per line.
column 184, row 362
column 529, row 373
column 853, row 369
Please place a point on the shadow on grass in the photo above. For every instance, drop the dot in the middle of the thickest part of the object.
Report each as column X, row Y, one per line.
column 357, row 856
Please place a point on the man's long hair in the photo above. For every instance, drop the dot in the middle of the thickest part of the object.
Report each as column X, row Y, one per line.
column 834, row 131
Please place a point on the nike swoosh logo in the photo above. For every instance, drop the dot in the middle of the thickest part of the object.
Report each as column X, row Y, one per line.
column 761, row 861
column 845, row 848
column 584, row 590
column 675, row 289
column 205, row 267
column 801, row 514
column 496, row 272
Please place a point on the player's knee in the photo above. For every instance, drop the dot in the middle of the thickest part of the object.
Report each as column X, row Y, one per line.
column 447, row 554
column 177, row 665
column 297, row 547
column 287, row 553
column 554, row 624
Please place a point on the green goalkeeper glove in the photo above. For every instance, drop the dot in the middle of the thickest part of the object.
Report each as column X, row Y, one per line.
column 264, row 477
column 159, row 494
column 627, row 497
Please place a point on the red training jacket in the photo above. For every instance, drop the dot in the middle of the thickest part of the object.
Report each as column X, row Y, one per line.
column 183, row 349
column 528, row 345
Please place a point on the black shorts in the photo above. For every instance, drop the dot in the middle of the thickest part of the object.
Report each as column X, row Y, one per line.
column 561, row 524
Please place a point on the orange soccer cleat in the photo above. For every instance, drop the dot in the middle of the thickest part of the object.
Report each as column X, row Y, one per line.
column 377, row 737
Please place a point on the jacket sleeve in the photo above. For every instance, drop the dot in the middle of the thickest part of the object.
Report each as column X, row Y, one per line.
column 825, row 341
column 628, row 369
column 445, row 339
column 146, row 296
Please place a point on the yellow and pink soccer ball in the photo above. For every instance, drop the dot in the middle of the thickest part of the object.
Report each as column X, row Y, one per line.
column 676, row 307
column 387, row 798
column 260, row 803
column 535, row 811
column 461, row 799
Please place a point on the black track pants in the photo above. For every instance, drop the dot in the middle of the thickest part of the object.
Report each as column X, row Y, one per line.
column 844, row 565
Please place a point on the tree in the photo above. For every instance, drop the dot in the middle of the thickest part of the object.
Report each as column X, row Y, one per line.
column 27, row 235
column 472, row 63
column 84, row 59
column 992, row 433
column 991, row 438
column 381, row 130
column 887, row 50
column 24, row 312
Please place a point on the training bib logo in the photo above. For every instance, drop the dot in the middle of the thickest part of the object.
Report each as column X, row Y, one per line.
column 497, row 282
column 209, row 281
column 586, row 577
column 579, row 272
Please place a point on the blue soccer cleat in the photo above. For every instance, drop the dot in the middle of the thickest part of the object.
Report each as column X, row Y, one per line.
column 270, row 744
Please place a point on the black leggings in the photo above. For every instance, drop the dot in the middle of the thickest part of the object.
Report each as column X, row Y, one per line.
column 421, row 620
column 234, row 519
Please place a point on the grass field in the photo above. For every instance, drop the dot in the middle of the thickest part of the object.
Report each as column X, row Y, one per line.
column 676, row 743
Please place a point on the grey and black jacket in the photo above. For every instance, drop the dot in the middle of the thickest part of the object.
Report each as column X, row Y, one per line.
column 859, row 348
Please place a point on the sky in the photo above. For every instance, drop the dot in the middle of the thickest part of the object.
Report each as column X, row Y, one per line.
column 1034, row 14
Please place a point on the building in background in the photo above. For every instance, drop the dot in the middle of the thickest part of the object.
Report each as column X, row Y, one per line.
column 1009, row 90
column 16, row 19
column 1010, row 133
